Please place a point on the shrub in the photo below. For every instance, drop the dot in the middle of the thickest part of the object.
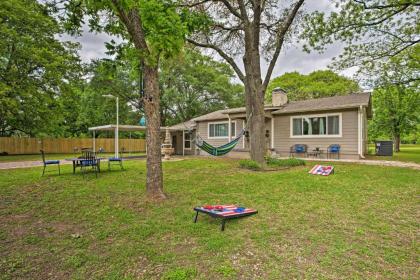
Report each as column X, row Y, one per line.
column 249, row 164
column 289, row 162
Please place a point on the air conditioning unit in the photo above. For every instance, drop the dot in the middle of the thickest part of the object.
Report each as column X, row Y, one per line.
column 384, row 148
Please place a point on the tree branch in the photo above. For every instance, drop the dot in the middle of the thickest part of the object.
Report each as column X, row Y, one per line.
column 133, row 23
column 242, row 8
column 365, row 6
column 279, row 41
column 229, row 59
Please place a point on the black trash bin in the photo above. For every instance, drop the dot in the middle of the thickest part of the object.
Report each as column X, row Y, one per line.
column 384, row 148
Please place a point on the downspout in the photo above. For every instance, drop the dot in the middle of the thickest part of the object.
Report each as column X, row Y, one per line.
column 360, row 133
column 183, row 142
column 243, row 137
column 272, row 132
column 229, row 128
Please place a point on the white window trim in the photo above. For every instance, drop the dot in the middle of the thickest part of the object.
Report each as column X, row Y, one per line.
column 340, row 117
column 221, row 137
column 185, row 148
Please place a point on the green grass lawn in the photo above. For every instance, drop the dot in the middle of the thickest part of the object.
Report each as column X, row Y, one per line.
column 361, row 222
column 11, row 158
column 409, row 152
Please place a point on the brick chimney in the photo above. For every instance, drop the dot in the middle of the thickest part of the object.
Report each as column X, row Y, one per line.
column 278, row 97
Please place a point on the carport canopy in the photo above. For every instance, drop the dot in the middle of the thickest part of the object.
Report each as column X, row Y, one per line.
column 116, row 129
column 113, row 127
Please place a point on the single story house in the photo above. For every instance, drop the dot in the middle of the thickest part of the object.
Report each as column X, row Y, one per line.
column 316, row 123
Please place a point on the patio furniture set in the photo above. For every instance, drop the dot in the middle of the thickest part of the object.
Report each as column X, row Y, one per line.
column 333, row 151
column 88, row 160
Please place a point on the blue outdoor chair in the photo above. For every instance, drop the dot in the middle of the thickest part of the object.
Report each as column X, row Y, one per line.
column 298, row 149
column 89, row 160
column 118, row 160
column 333, row 149
column 49, row 162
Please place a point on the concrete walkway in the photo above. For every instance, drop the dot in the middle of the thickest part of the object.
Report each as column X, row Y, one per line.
column 26, row 164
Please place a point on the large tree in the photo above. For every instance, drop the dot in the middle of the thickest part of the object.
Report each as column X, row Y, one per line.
column 396, row 112
column 195, row 84
column 396, row 98
column 155, row 29
column 104, row 77
column 255, row 30
column 35, row 69
column 321, row 83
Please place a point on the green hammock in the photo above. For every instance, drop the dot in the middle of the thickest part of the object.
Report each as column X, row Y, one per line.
column 218, row 151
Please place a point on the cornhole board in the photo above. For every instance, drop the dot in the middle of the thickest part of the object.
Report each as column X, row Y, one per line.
column 227, row 213
column 322, row 170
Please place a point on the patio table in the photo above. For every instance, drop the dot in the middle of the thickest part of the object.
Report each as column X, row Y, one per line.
column 315, row 154
column 77, row 162
column 227, row 212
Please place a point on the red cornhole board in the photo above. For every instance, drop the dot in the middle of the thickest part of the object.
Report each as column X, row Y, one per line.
column 322, row 170
column 224, row 212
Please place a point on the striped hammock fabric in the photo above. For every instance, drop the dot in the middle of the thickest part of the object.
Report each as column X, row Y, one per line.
column 218, row 151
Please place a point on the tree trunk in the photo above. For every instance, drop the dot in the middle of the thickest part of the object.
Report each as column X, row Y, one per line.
column 397, row 139
column 254, row 94
column 255, row 106
column 154, row 181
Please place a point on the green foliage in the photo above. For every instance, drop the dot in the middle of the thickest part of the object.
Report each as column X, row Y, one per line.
column 164, row 26
column 35, row 67
column 195, row 84
column 396, row 98
column 289, row 162
column 396, row 111
column 106, row 77
column 321, row 83
column 372, row 31
column 249, row 164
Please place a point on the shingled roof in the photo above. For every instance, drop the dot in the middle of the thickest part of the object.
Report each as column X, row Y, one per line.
column 216, row 115
column 327, row 103
column 310, row 105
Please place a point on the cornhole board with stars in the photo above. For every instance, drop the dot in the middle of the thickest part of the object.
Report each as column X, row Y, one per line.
column 224, row 212
column 322, row 170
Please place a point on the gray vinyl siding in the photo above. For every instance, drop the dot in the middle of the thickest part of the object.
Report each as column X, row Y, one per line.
column 348, row 140
column 202, row 128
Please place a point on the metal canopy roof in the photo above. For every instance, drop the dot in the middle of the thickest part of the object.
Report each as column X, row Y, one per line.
column 112, row 127
column 122, row 127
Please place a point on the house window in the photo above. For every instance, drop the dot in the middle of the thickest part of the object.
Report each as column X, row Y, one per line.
column 221, row 130
column 316, row 125
column 187, row 140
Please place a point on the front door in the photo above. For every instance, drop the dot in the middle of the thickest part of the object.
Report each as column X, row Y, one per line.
column 174, row 144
